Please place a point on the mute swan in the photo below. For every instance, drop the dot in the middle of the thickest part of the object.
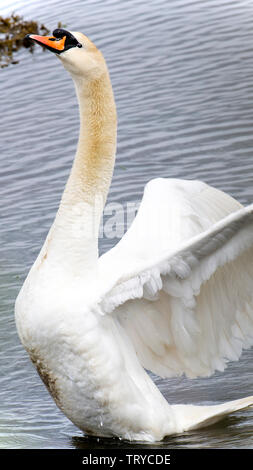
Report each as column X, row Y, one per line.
column 174, row 296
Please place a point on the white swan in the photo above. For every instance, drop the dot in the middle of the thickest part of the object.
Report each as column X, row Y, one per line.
column 174, row 296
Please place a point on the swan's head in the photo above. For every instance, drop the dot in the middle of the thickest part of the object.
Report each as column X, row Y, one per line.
column 78, row 54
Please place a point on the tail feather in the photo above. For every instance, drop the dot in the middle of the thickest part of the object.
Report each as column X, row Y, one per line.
column 189, row 417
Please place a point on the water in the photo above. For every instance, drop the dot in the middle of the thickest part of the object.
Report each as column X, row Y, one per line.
column 182, row 76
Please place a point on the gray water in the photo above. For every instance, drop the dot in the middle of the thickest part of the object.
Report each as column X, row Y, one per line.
column 182, row 73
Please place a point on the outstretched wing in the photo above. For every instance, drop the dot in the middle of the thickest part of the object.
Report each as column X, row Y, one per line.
column 183, row 279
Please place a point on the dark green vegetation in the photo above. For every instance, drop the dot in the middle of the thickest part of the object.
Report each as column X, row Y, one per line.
column 13, row 30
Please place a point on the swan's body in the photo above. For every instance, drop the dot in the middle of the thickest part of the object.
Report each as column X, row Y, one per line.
column 174, row 296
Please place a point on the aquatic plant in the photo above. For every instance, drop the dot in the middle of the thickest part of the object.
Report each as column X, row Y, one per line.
column 13, row 30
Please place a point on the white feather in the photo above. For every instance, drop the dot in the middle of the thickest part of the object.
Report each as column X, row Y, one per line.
column 197, row 290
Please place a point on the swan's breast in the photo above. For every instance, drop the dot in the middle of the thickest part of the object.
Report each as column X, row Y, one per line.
column 46, row 375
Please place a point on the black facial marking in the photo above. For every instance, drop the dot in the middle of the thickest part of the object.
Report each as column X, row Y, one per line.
column 70, row 42
column 60, row 33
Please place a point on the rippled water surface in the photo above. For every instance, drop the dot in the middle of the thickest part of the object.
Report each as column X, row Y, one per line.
column 182, row 73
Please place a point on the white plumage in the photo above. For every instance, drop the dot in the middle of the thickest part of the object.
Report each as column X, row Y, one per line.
column 174, row 296
column 187, row 309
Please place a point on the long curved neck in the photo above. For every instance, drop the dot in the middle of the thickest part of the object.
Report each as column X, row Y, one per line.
column 73, row 239
column 94, row 162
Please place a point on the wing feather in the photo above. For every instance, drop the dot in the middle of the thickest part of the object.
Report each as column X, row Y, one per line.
column 188, row 309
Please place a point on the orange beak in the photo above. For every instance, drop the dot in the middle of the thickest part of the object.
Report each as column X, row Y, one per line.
column 61, row 40
column 50, row 42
